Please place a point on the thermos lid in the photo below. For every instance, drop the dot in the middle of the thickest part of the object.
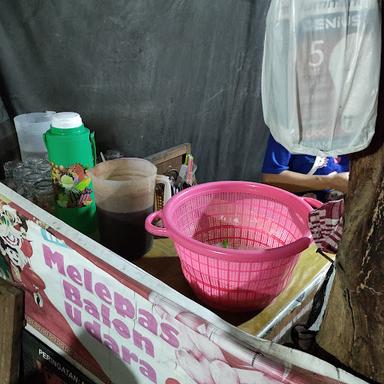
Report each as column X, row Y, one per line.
column 66, row 120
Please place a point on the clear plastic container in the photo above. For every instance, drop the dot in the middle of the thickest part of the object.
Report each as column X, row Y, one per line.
column 30, row 128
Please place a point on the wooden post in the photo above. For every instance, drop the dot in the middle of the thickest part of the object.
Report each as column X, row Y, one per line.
column 353, row 327
column 11, row 324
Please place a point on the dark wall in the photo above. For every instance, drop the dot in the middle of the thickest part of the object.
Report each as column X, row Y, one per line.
column 144, row 74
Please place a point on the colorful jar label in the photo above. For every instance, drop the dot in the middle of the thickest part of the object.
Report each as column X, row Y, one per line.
column 72, row 186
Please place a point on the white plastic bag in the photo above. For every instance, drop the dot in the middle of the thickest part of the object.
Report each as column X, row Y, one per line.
column 320, row 76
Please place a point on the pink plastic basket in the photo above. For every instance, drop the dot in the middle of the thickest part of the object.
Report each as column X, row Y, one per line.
column 265, row 227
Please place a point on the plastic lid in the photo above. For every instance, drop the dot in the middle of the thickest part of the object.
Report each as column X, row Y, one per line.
column 66, row 120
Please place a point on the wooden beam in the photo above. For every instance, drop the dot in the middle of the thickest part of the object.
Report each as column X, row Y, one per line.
column 11, row 324
column 170, row 153
column 169, row 159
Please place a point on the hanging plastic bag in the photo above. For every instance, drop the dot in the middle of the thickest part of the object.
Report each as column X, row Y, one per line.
column 320, row 76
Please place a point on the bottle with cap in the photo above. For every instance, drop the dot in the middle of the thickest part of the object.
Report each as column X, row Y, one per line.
column 71, row 151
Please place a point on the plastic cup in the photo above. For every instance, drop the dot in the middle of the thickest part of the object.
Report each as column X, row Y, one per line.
column 30, row 128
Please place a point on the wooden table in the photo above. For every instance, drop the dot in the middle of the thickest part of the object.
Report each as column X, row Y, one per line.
column 162, row 262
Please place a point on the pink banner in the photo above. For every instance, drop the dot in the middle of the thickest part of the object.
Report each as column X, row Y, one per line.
column 113, row 325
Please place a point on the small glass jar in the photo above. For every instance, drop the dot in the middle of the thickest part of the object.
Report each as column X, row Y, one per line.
column 20, row 172
column 29, row 181
column 31, row 162
column 9, row 168
column 38, row 165
column 111, row 154
column 46, row 175
column 19, row 188
column 44, row 167
column 43, row 195
column 10, row 183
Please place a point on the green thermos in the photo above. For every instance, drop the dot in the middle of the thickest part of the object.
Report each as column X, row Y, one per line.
column 71, row 151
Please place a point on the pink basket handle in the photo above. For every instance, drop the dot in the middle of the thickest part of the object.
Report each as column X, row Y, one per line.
column 314, row 203
column 157, row 231
column 298, row 246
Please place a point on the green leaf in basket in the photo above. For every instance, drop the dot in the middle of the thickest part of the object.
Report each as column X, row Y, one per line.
column 224, row 243
column 83, row 184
